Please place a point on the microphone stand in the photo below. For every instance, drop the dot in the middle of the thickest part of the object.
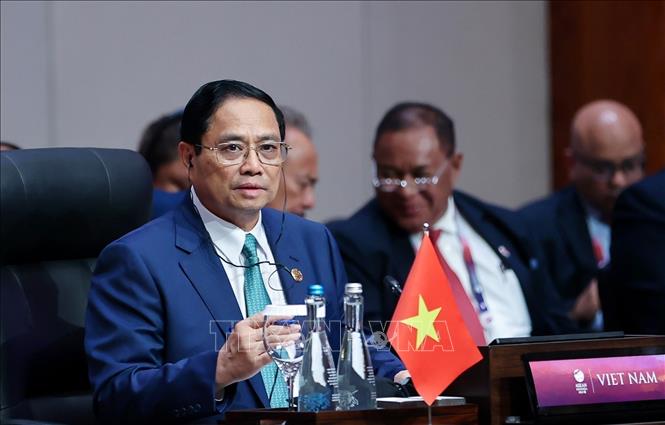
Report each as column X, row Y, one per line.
column 393, row 284
column 395, row 287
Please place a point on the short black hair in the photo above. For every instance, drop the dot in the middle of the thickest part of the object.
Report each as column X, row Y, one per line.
column 159, row 141
column 209, row 97
column 407, row 115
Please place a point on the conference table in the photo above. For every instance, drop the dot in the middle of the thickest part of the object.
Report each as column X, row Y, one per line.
column 495, row 389
column 466, row 414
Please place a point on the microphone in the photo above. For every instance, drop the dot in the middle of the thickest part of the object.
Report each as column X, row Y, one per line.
column 393, row 284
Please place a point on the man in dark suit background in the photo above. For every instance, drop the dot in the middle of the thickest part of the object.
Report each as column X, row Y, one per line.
column 606, row 154
column 301, row 173
column 159, row 146
column 635, row 294
column 416, row 167
column 174, row 322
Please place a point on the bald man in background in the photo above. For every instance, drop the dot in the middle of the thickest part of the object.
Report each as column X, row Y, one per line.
column 301, row 169
column 606, row 154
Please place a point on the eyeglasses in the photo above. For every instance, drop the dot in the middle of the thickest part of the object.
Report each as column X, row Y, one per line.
column 605, row 170
column 420, row 183
column 234, row 153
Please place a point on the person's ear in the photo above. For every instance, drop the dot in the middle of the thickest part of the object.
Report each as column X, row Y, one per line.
column 455, row 165
column 186, row 152
column 456, row 161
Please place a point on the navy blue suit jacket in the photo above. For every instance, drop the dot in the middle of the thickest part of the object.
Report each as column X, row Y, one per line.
column 160, row 305
column 373, row 247
column 163, row 202
column 558, row 223
column 635, row 295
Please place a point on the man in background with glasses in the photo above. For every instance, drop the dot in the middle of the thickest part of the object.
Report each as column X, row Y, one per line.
column 301, row 172
column 174, row 327
column 606, row 154
column 485, row 251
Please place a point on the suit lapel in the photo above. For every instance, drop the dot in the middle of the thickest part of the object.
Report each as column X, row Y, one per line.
column 570, row 216
column 402, row 257
column 400, row 260
column 203, row 267
column 287, row 254
column 488, row 230
column 208, row 278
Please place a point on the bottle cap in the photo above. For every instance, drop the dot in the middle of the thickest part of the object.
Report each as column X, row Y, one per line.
column 315, row 290
column 353, row 289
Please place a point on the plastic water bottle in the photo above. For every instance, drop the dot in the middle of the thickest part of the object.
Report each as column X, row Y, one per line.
column 317, row 386
column 357, row 387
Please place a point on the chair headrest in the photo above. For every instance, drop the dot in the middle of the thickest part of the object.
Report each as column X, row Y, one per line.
column 64, row 203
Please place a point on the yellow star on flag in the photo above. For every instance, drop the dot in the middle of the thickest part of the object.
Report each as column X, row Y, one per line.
column 423, row 322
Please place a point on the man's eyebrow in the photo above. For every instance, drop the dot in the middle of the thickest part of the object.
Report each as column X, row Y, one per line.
column 229, row 137
column 419, row 168
column 415, row 168
column 268, row 136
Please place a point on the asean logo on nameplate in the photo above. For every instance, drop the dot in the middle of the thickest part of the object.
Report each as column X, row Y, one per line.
column 427, row 330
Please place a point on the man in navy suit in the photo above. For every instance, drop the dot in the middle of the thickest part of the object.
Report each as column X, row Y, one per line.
column 173, row 327
column 573, row 225
column 159, row 146
column 635, row 295
column 486, row 250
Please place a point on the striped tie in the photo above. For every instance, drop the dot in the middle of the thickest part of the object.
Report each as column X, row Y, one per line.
column 256, row 298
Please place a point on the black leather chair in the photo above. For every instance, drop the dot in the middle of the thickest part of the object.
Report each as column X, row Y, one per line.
column 58, row 208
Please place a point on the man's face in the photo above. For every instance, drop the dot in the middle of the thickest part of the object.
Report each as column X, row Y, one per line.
column 603, row 165
column 301, row 172
column 407, row 155
column 235, row 193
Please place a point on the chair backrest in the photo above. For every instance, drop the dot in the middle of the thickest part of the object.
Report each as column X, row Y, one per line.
column 59, row 207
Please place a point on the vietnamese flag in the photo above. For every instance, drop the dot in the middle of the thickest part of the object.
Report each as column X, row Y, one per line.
column 427, row 331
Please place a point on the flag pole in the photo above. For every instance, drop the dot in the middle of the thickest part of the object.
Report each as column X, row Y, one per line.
column 429, row 407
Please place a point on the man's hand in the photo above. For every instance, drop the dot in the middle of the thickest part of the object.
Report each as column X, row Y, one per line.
column 244, row 354
column 587, row 303
column 401, row 376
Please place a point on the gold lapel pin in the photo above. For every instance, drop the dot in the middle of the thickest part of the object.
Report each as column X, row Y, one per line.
column 296, row 274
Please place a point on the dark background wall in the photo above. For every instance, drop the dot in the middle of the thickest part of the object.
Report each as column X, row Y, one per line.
column 607, row 49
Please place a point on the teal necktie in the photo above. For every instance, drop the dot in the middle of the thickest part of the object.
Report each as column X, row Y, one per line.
column 256, row 298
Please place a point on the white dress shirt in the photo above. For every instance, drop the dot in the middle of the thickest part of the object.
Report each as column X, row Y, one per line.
column 501, row 289
column 600, row 232
column 229, row 240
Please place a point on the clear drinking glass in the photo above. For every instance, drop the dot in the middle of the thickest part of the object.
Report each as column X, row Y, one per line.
column 286, row 352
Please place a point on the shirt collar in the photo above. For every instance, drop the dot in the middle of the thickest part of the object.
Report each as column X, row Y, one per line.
column 447, row 222
column 227, row 237
column 591, row 212
column 594, row 220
